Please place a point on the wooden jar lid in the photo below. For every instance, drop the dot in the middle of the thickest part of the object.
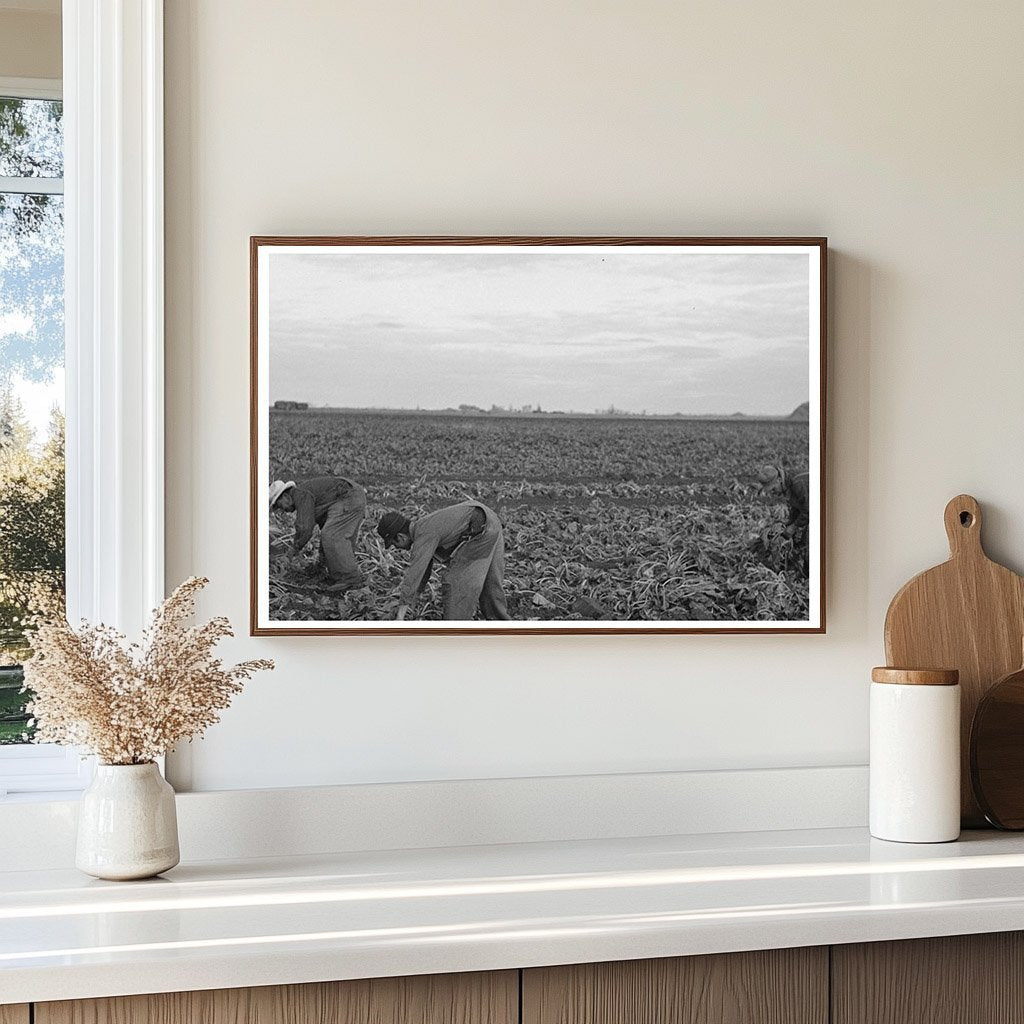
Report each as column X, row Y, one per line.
column 916, row 676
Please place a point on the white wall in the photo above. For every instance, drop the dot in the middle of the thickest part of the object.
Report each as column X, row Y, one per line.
column 894, row 129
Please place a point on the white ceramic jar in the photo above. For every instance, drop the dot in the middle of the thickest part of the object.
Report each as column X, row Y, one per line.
column 915, row 755
column 127, row 823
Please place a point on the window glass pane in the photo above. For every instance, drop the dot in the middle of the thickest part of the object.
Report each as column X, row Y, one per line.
column 13, row 720
column 31, row 138
column 31, row 431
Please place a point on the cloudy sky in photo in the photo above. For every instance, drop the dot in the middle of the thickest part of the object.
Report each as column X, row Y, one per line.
column 669, row 331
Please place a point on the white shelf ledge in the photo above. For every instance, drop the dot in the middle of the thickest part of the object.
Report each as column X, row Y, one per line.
column 355, row 915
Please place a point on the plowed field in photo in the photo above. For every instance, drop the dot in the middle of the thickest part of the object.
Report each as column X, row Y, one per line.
column 616, row 518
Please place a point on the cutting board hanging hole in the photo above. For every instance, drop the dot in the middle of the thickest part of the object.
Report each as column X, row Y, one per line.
column 963, row 525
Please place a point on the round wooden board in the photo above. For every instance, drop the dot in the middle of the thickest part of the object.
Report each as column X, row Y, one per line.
column 997, row 752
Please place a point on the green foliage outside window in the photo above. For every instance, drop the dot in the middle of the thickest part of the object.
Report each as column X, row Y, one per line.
column 31, row 546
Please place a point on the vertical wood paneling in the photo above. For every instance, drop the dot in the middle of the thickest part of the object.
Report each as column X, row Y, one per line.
column 961, row 979
column 482, row 998
column 780, row 986
column 14, row 1014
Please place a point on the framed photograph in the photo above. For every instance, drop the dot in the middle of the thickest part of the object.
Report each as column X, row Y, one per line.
column 537, row 435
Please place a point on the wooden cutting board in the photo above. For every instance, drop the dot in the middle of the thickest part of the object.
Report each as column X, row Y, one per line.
column 967, row 614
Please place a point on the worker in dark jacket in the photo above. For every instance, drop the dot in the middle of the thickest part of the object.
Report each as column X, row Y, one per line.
column 338, row 506
column 795, row 488
column 467, row 538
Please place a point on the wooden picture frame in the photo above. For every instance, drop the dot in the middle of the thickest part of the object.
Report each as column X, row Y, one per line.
column 623, row 410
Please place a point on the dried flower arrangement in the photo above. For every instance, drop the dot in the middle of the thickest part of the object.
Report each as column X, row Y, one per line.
column 130, row 703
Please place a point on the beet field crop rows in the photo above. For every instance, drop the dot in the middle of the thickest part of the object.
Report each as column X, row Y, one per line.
column 618, row 518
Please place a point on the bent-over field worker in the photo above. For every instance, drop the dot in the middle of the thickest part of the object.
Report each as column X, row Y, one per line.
column 467, row 538
column 795, row 487
column 338, row 506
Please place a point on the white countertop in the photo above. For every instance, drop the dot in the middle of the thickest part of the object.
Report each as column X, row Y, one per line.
column 226, row 924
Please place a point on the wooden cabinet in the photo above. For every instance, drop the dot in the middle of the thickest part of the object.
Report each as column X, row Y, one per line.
column 967, row 979
column 491, row 998
column 962, row 979
column 777, row 986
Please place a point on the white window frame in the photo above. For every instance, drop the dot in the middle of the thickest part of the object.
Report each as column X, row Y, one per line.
column 32, row 88
column 114, row 323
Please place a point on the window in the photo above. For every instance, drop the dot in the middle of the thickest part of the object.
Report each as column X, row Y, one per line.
column 32, row 533
column 31, row 382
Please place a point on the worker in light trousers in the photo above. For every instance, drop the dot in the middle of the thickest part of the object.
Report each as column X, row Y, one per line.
column 465, row 538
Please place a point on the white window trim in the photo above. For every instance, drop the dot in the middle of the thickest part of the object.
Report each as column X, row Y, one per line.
column 113, row 169
column 114, row 324
column 32, row 88
column 32, row 186
column 42, row 768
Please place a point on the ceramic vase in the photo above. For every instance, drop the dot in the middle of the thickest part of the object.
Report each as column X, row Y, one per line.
column 127, row 825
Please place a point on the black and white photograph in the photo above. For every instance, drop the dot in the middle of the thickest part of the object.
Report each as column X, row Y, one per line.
column 537, row 435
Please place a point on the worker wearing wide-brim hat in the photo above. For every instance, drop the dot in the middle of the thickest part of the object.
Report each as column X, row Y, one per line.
column 467, row 538
column 337, row 505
